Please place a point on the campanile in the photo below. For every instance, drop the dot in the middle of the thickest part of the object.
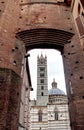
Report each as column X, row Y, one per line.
column 42, row 85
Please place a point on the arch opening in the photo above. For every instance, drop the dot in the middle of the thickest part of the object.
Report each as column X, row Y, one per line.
column 55, row 69
column 45, row 38
column 56, row 112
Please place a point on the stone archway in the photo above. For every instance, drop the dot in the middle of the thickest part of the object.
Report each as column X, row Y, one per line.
column 49, row 38
column 66, row 43
column 45, row 38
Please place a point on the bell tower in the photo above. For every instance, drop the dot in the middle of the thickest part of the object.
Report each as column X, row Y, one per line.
column 42, row 85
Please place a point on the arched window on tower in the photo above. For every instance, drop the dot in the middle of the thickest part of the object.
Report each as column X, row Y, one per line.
column 40, row 116
column 42, row 87
column 56, row 114
column 42, row 93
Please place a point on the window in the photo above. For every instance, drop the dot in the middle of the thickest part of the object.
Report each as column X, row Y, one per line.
column 80, row 26
column 40, row 116
column 42, row 93
column 42, row 81
column 42, row 61
column 79, row 8
column 56, row 113
column 42, row 75
column 42, row 69
column 42, row 87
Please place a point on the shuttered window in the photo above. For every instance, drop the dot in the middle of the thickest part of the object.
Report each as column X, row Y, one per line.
column 79, row 22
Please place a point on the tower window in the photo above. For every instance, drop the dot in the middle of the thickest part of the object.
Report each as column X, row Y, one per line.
column 42, row 93
column 42, row 81
column 42, row 69
column 40, row 116
column 41, row 75
column 42, row 87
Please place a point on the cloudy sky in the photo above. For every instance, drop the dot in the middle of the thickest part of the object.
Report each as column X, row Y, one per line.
column 54, row 68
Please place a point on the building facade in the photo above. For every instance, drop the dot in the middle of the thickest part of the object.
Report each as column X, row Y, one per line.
column 58, row 114
column 51, row 112
column 31, row 24
column 24, row 113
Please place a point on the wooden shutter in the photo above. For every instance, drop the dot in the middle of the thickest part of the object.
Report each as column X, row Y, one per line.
column 80, row 25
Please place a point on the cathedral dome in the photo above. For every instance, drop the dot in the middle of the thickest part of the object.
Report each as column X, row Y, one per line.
column 55, row 90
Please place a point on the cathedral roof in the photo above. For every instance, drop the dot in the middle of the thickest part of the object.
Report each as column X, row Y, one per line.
column 55, row 90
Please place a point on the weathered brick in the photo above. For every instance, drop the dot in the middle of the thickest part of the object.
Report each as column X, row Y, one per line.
column 18, row 16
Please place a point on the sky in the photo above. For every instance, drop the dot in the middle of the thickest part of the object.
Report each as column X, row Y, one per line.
column 54, row 69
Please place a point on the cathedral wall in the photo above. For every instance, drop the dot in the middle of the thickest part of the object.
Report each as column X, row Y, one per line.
column 34, row 118
column 62, row 121
column 48, row 117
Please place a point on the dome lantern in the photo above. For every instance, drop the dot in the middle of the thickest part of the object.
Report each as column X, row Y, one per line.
column 54, row 84
column 55, row 90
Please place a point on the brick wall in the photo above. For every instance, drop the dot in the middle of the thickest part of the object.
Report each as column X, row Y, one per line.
column 17, row 17
column 9, row 99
